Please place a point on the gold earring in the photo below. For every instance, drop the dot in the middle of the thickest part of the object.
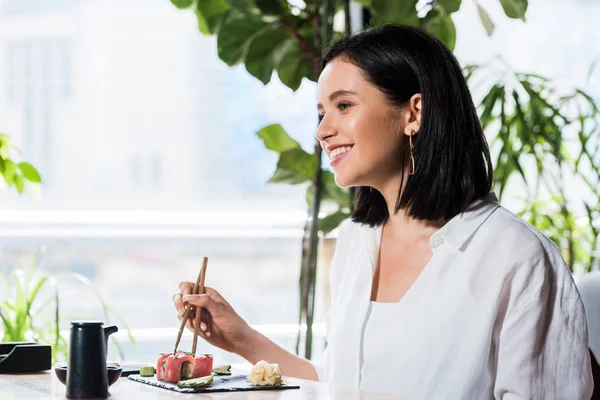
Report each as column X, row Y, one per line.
column 411, row 166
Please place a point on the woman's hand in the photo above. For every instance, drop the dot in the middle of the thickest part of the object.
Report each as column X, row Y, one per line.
column 220, row 326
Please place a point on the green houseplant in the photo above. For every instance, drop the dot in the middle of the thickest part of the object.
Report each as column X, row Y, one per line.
column 15, row 174
column 29, row 298
column 277, row 36
column 547, row 143
column 30, row 306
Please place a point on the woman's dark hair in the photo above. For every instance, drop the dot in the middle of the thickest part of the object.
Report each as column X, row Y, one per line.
column 452, row 158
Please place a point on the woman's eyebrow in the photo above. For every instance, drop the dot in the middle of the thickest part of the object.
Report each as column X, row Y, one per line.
column 335, row 95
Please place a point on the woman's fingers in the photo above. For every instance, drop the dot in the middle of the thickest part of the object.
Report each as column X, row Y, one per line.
column 178, row 303
column 216, row 295
column 208, row 301
column 185, row 288
column 203, row 301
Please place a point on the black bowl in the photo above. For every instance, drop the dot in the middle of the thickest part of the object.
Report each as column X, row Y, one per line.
column 114, row 373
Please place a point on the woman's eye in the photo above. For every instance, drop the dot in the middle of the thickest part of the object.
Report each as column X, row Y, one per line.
column 343, row 106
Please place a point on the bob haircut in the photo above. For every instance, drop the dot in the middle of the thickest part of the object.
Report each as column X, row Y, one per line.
column 452, row 158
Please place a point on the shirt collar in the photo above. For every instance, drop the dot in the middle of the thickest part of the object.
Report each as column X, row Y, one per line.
column 463, row 226
column 456, row 232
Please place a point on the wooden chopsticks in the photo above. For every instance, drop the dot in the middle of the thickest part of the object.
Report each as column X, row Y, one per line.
column 199, row 311
column 198, row 288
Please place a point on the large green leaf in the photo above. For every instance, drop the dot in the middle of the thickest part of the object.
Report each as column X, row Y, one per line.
column 276, row 138
column 265, row 52
column 10, row 171
column 332, row 221
column 487, row 22
column 439, row 23
column 19, row 183
column 451, row 6
column 5, row 145
column 401, row 12
column 331, row 192
column 29, row 172
column 294, row 66
column 488, row 104
column 235, row 37
column 514, row 8
column 243, row 6
column 210, row 15
column 183, row 3
column 272, row 7
column 295, row 166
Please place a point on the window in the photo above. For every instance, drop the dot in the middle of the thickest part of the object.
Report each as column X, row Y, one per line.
column 146, row 143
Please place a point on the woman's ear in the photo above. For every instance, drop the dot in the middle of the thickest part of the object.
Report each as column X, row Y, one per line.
column 413, row 123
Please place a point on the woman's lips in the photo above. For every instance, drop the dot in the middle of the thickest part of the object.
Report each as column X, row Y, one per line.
column 335, row 160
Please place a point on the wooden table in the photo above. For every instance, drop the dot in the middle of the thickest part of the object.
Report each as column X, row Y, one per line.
column 45, row 386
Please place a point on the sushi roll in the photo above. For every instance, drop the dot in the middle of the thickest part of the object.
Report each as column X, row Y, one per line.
column 203, row 365
column 160, row 365
column 178, row 367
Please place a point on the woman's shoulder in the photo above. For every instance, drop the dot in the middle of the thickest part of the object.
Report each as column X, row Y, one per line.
column 349, row 229
column 354, row 242
column 509, row 232
column 523, row 255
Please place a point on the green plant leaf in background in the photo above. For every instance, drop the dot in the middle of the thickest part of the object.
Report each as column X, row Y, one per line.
column 265, row 52
column 10, row 170
column 211, row 14
column 19, row 183
column 401, row 12
column 29, row 172
column 439, row 23
column 295, row 166
column 331, row 192
column 236, row 36
column 487, row 22
column 15, row 174
column 272, row 7
column 294, row 66
column 181, row 4
column 332, row 221
column 276, row 139
column 514, row 8
column 451, row 6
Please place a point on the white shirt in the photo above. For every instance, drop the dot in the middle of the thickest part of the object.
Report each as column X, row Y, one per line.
column 377, row 332
column 495, row 314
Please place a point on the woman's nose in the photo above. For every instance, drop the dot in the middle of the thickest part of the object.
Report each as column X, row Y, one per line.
column 326, row 130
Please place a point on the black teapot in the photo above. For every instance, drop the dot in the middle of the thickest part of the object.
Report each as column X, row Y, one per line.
column 86, row 371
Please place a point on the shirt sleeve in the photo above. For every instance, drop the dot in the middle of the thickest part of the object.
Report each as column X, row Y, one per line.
column 543, row 342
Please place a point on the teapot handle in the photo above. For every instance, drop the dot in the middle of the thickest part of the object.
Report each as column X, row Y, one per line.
column 109, row 330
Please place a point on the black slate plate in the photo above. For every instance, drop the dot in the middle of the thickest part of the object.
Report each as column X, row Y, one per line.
column 232, row 383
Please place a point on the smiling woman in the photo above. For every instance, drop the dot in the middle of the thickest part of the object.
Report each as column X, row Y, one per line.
column 385, row 112
column 437, row 291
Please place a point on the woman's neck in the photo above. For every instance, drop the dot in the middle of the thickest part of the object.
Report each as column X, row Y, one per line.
column 400, row 224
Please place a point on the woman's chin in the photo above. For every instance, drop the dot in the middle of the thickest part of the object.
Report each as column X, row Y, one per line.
column 343, row 182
